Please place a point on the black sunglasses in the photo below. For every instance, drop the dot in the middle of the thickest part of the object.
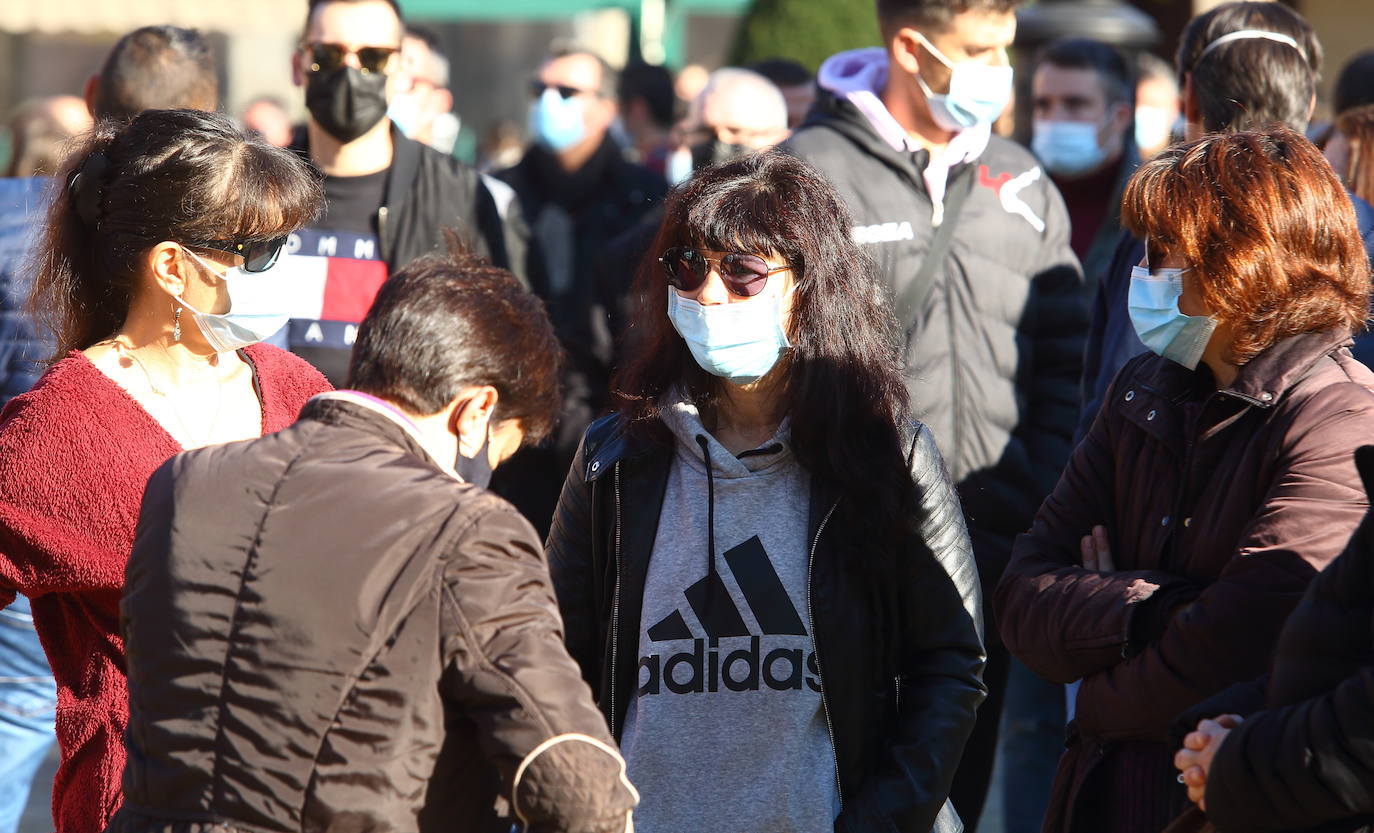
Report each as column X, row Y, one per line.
column 327, row 57
column 258, row 255
column 743, row 274
column 537, row 89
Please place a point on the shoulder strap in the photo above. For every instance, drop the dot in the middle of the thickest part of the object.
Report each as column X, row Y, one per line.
column 908, row 305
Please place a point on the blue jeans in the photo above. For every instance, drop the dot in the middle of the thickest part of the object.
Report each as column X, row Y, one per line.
column 28, row 701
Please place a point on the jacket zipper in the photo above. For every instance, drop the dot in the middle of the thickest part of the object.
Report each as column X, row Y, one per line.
column 957, row 435
column 381, row 232
column 816, row 649
column 897, row 685
column 615, row 604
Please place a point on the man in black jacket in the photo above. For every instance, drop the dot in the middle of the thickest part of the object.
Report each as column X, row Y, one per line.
column 577, row 192
column 388, row 198
column 996, row 319
column 356, row 635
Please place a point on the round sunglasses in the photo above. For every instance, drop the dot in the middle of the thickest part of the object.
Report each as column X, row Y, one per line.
column 744, row 275
column 327, row 57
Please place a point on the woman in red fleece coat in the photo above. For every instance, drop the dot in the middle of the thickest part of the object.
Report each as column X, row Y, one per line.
column 153, row 274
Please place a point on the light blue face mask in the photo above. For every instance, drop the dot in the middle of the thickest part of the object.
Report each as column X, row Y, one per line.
column 978, row 93
column 738, row 342
column 1162, row 327
column 556, row 122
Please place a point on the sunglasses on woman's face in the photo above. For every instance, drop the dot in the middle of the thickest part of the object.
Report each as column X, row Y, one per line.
column 258, row 255
column 327, row 57
column 537, row 89
column 744, row 275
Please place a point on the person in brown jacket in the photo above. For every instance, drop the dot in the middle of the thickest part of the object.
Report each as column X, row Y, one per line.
column 1219, row 476
column 337, row 627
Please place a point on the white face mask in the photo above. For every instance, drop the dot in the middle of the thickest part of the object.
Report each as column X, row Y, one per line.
column 255, row 309
column 1068, row 147
column 978, row 93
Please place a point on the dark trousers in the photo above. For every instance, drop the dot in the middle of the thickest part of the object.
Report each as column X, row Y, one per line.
column 970, row 787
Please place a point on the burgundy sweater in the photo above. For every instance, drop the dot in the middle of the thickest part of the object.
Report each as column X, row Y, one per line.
column 75, row 454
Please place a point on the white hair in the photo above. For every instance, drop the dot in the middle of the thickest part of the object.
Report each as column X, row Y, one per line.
column 767, row 106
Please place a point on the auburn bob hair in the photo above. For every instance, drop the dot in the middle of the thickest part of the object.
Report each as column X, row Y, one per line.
column 1264, row 225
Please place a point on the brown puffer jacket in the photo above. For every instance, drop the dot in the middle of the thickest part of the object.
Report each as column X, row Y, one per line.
column 327, row 632
column 1221, row 505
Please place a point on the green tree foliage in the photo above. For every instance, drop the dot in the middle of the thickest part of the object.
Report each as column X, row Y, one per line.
column 807, row 31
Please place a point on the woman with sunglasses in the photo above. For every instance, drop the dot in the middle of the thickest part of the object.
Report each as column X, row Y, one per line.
column 154, row 275
column 762, row 567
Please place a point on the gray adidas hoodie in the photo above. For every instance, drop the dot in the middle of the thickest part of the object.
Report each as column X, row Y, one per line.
column 727, row 731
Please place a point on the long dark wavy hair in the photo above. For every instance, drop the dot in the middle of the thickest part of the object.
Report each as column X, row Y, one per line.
column 844, row 389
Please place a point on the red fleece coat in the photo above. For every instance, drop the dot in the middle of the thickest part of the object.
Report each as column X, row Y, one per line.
column 75, row 454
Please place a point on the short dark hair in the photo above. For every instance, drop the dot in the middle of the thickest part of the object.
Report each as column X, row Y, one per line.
column 783, row 72
column 1355, row 85
column 157, row 68
column 182, row 175
column 1086, row 53
column 933, row 15
column 450, row 320
column 653, row 84
column 315, row 4
column 1265, row 224
column 1250, row 83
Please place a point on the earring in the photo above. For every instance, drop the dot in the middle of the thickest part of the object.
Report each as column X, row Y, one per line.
column 176, row 325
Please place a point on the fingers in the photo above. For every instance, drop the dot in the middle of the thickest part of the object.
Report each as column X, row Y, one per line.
column 1089, row 552
column 1183, row 759
column 1230, row 721
column 1196, row 741
column 1104, row 549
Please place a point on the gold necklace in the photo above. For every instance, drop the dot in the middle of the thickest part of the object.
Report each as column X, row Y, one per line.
column 128, row 352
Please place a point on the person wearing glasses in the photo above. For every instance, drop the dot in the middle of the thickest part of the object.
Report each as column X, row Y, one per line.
column 387, row 198
column 761, row 563
column 577, row 192
column 155, row 277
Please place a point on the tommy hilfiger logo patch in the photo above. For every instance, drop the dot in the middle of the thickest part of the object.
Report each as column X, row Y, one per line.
column 701, row 670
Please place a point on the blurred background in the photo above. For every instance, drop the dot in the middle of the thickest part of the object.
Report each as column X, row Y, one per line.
column 50, row 47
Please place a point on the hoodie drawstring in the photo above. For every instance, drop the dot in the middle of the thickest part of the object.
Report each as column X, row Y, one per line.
column 710, row 524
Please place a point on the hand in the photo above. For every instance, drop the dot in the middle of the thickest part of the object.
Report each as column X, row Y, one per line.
column 1194, row 760
column 1097, row 552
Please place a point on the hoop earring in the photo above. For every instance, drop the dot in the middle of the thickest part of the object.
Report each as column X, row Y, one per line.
column 176, row 325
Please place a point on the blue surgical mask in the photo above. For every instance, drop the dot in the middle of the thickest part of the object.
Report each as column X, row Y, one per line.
column 255, row 308
column 1068, row 147
column 556, row 122
column 978, row 93
column 738, row 342
column 1161, row 326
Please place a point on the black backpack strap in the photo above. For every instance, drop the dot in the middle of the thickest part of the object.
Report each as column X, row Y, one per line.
column 907, row 306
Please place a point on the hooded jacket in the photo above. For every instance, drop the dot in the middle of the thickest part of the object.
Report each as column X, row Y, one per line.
column 328, row 631
column 994, row 354
column 1221, row 505
column 899, row 662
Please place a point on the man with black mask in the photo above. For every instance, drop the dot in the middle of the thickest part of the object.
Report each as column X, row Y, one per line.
column 387, row 197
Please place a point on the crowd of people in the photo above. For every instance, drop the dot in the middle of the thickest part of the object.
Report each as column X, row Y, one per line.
column 866, row 445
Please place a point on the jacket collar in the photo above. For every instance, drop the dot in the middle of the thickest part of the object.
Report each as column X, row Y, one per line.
column 375, row 416
column 405, row 162
column 1263, row 380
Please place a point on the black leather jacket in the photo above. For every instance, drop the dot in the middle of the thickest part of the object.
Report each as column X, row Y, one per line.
column 900, row 662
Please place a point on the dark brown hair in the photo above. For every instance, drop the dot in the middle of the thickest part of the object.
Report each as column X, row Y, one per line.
column 1250, row 83
column 1261, row 220
column 181, row 175
column 933, row 15
column 844, row 392
column 1357, row 125
column 447, row 321
column 157, row 68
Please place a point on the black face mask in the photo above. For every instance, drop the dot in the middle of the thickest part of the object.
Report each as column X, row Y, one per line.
column 346, row 102
column 475, row 470
column 716, row 152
